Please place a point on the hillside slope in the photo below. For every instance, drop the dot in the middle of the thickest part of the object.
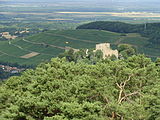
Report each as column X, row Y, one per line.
column 150, row 30
column 43, row 46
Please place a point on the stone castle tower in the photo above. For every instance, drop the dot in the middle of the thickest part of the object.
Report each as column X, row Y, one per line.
column 107, row 51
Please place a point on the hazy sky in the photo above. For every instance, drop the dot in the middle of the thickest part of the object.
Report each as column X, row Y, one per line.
column 102, row 5
column 87, row 0
column 127, row 3
column 116, row 1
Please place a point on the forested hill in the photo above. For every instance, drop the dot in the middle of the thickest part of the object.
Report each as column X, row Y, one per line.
column 124, row 89
column 150, row 30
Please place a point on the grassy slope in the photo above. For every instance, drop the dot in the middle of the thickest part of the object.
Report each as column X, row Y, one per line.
column 51, row 43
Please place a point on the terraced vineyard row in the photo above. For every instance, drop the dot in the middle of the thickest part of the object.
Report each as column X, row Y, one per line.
column 43, row 46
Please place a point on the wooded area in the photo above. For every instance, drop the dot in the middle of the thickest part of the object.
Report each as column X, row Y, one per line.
column 60, row 90
column 150, row 30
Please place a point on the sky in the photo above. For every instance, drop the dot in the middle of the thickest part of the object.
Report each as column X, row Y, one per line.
column 85, row 0
column 144, row 4
column 137, row 2
column 115, row 1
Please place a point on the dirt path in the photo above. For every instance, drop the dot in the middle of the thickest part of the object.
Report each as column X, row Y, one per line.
column 153, row 56
column 42, row 43
column 72, row 38
column 18, row 47
column 28, row 50
column 8, row 54
column 1, row 54
column 122, row 38
column 88, row 41
column 119, row 41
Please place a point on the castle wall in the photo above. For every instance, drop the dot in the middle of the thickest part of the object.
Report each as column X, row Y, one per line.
column 107, row 51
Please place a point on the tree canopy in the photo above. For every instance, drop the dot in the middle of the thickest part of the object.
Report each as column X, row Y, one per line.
column 60, row 90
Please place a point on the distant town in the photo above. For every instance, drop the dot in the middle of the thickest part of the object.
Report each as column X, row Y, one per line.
column 12, row 70
column 8, row 36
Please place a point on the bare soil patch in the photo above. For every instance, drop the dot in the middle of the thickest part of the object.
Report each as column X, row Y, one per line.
column 32, row 54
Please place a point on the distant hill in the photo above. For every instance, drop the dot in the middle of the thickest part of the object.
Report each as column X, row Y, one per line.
column 43, row 46
column 150, row 30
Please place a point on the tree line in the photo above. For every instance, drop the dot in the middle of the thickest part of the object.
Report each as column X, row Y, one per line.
column 150, row 30
column 91, row 56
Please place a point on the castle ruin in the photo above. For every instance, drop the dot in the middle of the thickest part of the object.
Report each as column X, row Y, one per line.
column 106, row 50
column 104, row 47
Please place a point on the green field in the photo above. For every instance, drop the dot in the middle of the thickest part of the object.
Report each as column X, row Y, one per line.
column 49, row 44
